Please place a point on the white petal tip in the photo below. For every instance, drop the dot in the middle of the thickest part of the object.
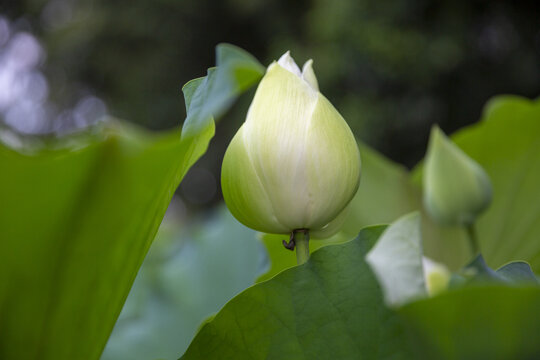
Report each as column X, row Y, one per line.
column 308, row 65
column 287, row 62
column 309, row 75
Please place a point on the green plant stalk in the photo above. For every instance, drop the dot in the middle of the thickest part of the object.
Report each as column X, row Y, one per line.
column 473, row 239
column 301, row 241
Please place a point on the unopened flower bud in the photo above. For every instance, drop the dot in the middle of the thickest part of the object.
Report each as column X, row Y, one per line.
column 456, row 188
column 436, row 276
column 294, row 163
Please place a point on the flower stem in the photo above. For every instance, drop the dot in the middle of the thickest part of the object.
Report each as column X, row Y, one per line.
column 473, row 239
column 301, row 240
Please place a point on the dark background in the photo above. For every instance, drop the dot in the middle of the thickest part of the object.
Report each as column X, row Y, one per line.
column 391, row 68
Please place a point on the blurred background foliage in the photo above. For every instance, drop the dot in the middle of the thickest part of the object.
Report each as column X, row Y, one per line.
column 391, row 68
column 191, row 271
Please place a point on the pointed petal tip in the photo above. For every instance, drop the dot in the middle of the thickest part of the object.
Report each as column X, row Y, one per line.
column 287, row 62
column 308, row 64
column 435, row 129
column 437, row 135
column 309, row 75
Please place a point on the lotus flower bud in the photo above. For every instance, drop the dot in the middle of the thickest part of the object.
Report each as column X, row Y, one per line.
column 436, row 276
column 294, row 163
column 456, row 188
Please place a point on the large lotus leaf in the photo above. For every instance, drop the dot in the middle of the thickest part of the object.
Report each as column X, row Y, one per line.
column 506, row 143
column 479, row 322
column 75, row 225
column 76, row 221
column 329, row 308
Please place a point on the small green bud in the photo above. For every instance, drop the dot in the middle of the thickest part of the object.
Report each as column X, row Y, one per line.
column 294, row 163
column 436, row 276
column 456, row 188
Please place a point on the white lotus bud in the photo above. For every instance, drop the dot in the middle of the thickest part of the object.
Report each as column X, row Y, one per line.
column 456, row 188
column 294, row 163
